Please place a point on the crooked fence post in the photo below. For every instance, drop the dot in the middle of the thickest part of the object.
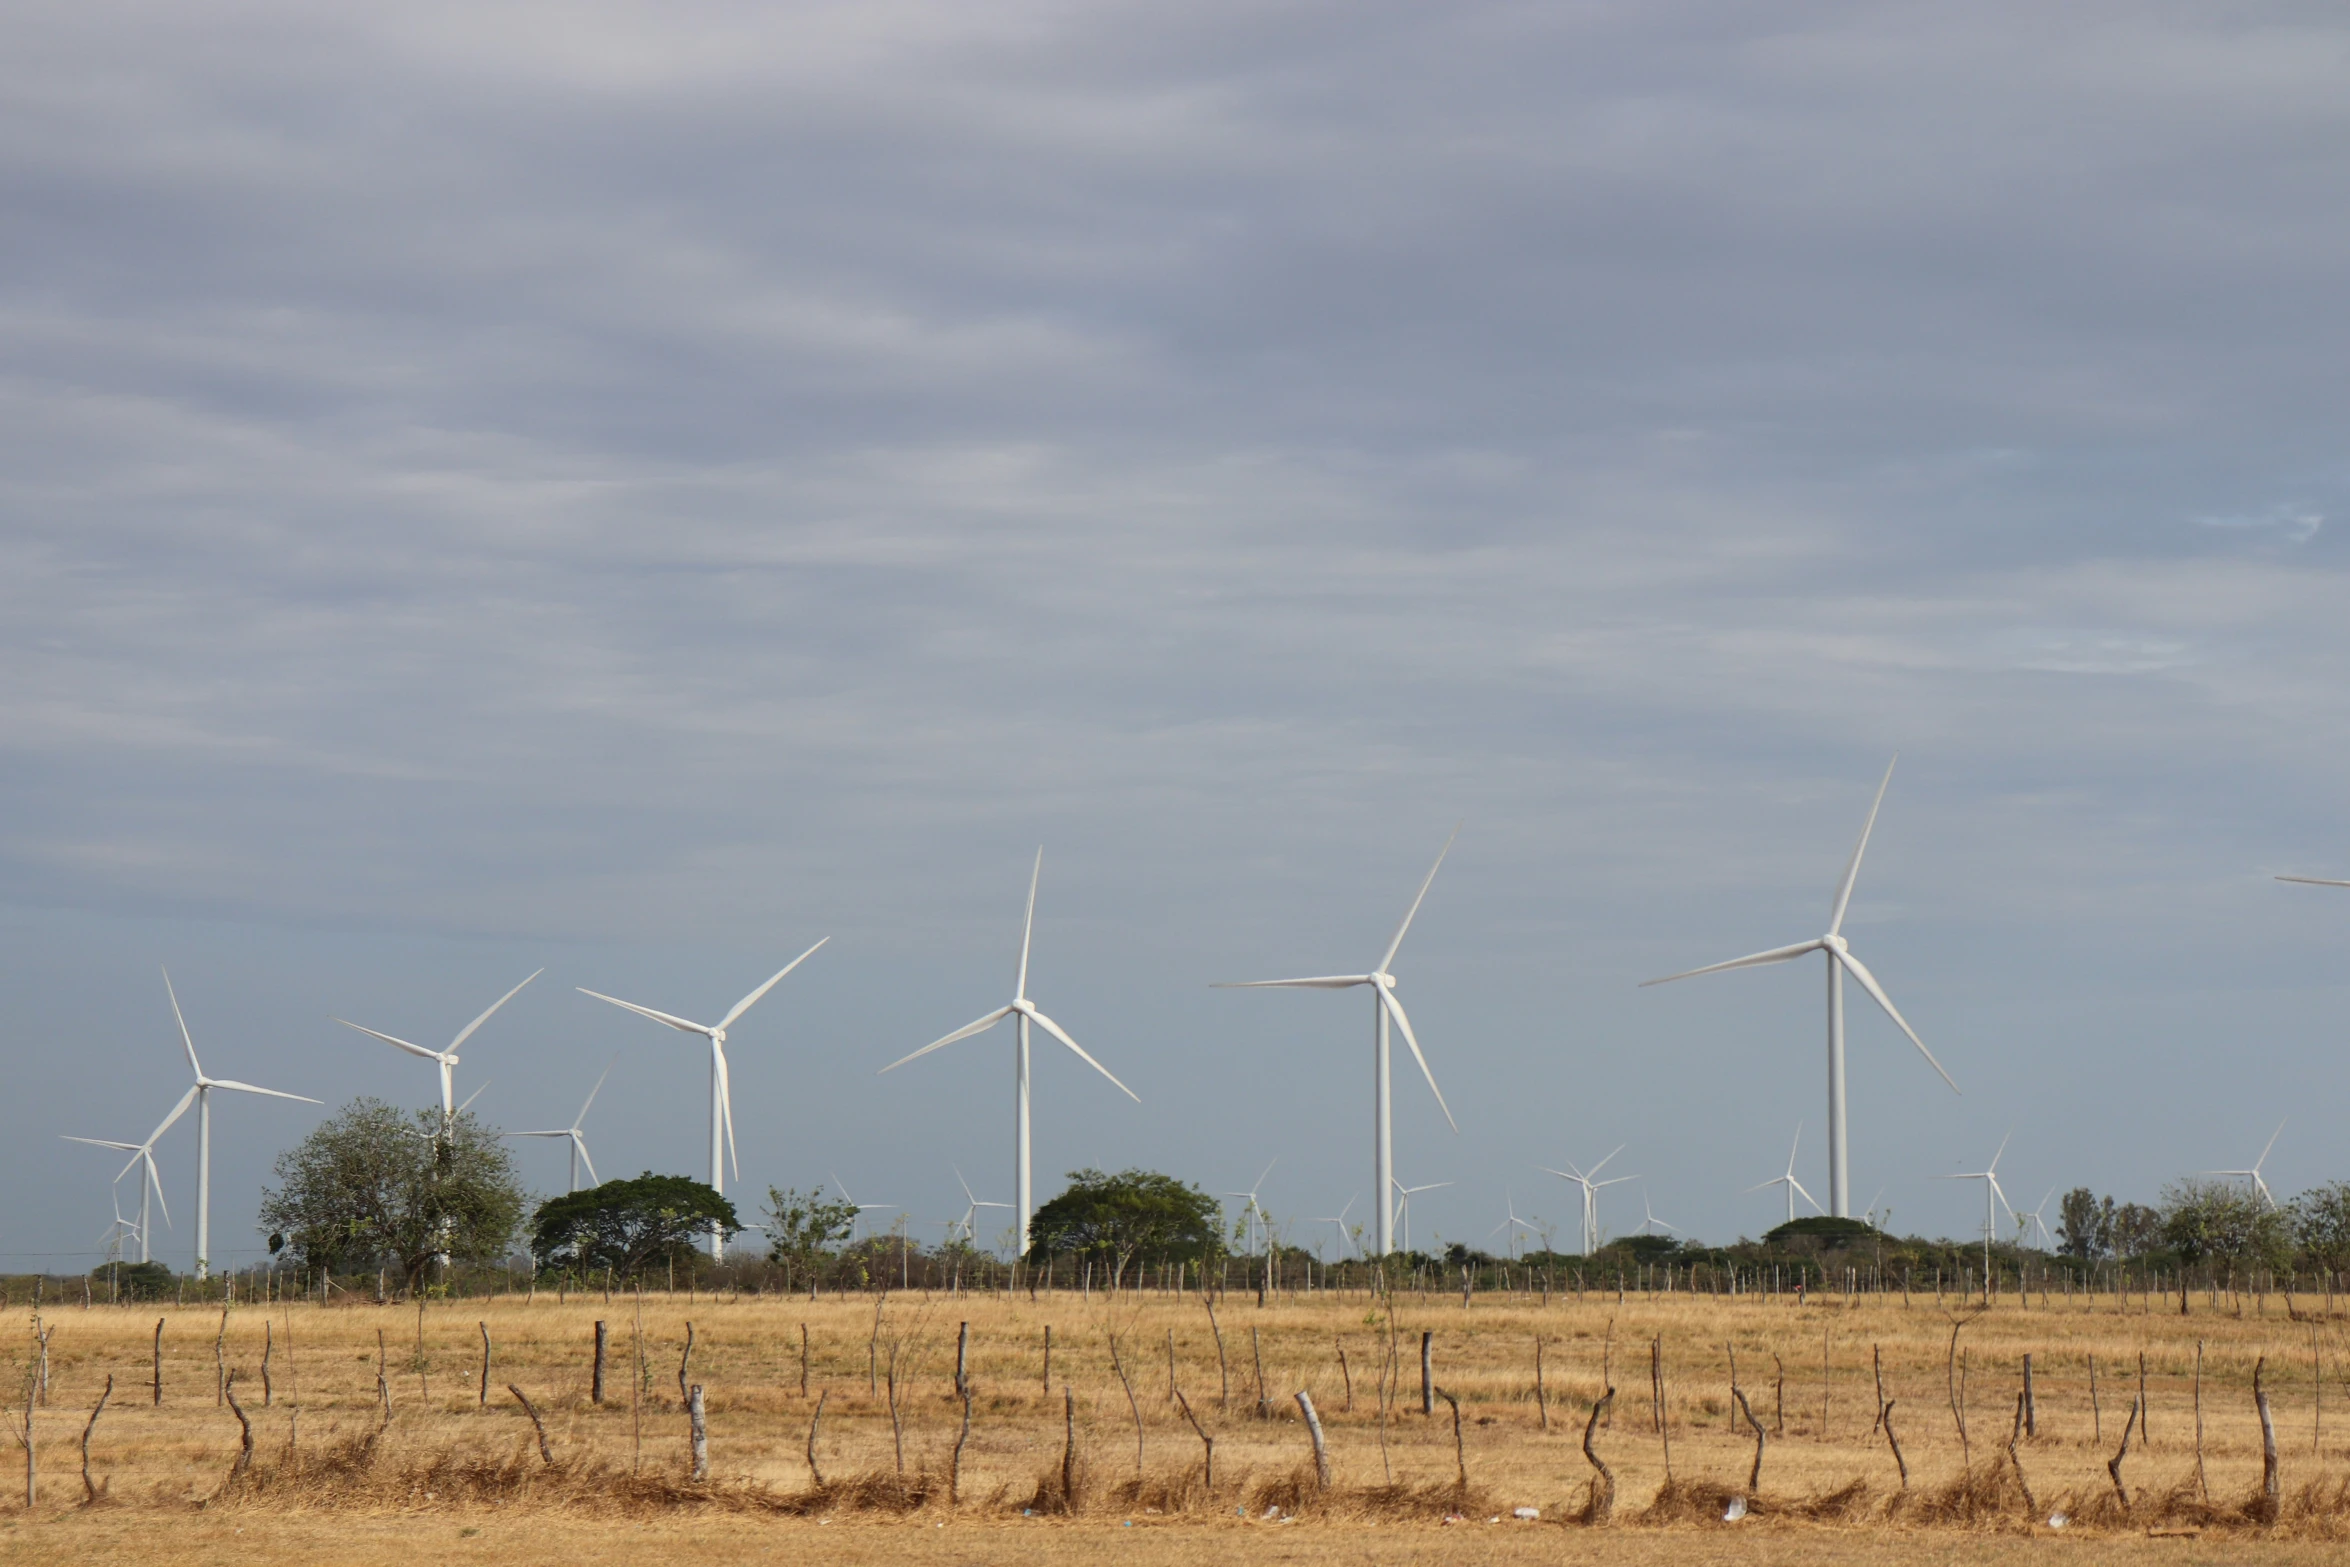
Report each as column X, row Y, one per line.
column 2114, row 1466
column 228, row 1393
column 1305, row 1405
column 485, row 1365
column 700, row 1427
column 1894, row 1442
column 1754, row 1475
column 1460, row 1455
column 1207, row 1442
column 817, row 1421
column 90, row 1491
column 546, row 1454
column 2271, row 1481
column 1603, row 1484
column 159, row 1362
column 2023, row 1409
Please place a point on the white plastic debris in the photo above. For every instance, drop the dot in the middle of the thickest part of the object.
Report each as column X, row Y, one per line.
column 1735, row 1511
column 2058, row 1520
column 1527, row 1513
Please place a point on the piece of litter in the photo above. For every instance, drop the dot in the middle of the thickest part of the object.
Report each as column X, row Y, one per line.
column 1735, row 1511
column 1273, row 1512
column 2058, row 1520
column 1527, row 1513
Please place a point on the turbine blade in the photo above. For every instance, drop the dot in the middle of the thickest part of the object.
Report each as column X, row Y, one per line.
column 177, row 1111
column 100, row 1142
column 2264, row 1152
column 1054, row 1029
column 1603, row 1164
column 599, row 1088
column 1852, row 870
column 414, row 1050
column 744, row 1005
column 155, row 1177
column 580, row 1142
column 469, row 1098
column 185, row 1037
column 2315, row 881
column 965, row 1032
column 1868, row 982
column 467, row 1032
column 1319, row 982
column 678, row 1023
column 1395, row 1010
column 1752, row 960
column 726, row 1106
column 248, row 1088
column 1028, row 926
column 1389, row 955
column 1808, row 1197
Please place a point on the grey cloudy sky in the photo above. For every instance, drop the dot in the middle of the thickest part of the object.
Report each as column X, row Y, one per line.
column 635, row 490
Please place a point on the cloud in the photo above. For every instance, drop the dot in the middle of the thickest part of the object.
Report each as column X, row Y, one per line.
column 2297, row 523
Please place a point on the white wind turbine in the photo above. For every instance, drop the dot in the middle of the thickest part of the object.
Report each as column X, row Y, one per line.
column 1384, row 1007
column 721, row 1090
column 2253, row 1175
column 2036, row 1222
column 445, row 1059
column 862, row 1208
column 1021, row 1008
column 150, row 1182
column 1991, row 1193
column 1789, row 1181
column 1403, row 1203
column 1511, row 1223
column 1840, row 962
column 973, row 1203
column 200, row 1095
column 1337, row 1221
column 577, row 1137
column 114, row 1234
column 1590, row 1194
column 1252, row 1210
column 1651, row 1220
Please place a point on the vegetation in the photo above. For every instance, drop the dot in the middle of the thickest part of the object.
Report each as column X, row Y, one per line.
column 1135, row 1216
column 629, row 1226
column 804, row 1232
column 378, row 1187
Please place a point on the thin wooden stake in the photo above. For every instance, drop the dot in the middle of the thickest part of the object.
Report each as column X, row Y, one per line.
column 1603, row 1485
column 484, row 1401
column 90, row 1491
column 815, row 1422
column 700, row 1429
column 1753, row 1475
column 159, row 1362
column 1305, row 1404
column 596, row 1379
column 2202, row 1484
column 228, row 1392
column 1894, row 1442
column 546, row 1454
column 2271, row 1480
column 1460, row 1454
column 2114, row 1466
column 1207, row 1442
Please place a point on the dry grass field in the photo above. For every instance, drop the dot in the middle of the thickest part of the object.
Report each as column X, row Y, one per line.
column 329, row 1479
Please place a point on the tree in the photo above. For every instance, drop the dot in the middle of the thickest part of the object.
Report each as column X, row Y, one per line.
column 2219, row 1221
column 2136, row 1230
column 628, row 1226
column 2085, row 1230
column 802, row 1231
column 1135, row 1215
column 376, row 1186
column 2320, row 1219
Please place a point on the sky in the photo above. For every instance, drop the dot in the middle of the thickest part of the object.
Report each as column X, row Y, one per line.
column 634, row 490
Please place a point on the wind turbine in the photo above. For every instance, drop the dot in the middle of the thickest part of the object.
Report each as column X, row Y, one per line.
column 200, row 1095
column 1590, row 1194
column 2253, row 1174
column 970, row 1219
column 1384, row 1006
column 579, row 1148
column 721, row 1094
column 150, row 1182
column 1338, row 1221
column 1512, row 1223
column 1254, row 1212
column 112, row 1238
column 1651, row 1219
column 1991, row 1192
column 446, row 1059
column 1840, row 961
column 862, row 1207
column 1403, row 1202
column 1789, row 1181
column 1024, row 1010
column 2036, row 1220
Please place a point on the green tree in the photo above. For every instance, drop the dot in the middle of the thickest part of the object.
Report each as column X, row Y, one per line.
column 802, row 1231
column 2085, row 1230
column 628, row 1226
column 2219, row 1222
column 2320, row 1218
column 1135, row 1215
column 376, row 1186
column 2135, row 1231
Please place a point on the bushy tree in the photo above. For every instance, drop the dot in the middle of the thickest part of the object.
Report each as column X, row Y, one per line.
column 376, row 1186
column 2219, row 1221
column 802, row 1231
column 2084, row 1232
column 1135, row 1215
column 2135, row 1231
column 2320, row 1218
column 629, row 1226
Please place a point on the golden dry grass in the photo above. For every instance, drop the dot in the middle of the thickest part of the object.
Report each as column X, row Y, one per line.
column 447, row 1464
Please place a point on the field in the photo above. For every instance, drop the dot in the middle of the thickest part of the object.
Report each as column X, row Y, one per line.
column 328, row 1474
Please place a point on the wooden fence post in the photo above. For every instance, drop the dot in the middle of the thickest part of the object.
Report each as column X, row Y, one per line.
column 596, row 1382
column 1305, row 1404
column 700, row 1429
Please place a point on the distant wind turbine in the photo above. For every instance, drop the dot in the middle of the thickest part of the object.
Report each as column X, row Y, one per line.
column 862, row 1208
column 2253, row 1175
column 1840, row 961
column 1403, row 1202
column 2036, row 1222
column 1651, row 1220
column 1991, row 1193
column 1384, row 1007
column 150, row 1182
column 1338, row 1222
column 721, row 1093
column 200, row 1096
column 1511, row 1223
column 970, row 1220
column 1254, row 1212
column 573, row 1132
column 1591, row 1188
column 445, row 1059
column 1789, row 1181
column 1023, row 1009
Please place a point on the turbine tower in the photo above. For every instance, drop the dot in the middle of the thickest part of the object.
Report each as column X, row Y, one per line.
column 1789, row 1181
column 1384, row 1007
column 1840, row 962
column 1024, row 1010
column 721, row 1093
column 578, row 1137
column 201, row 1097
